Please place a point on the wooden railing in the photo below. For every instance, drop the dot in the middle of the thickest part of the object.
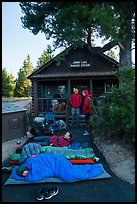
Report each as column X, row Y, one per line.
column 45, row 105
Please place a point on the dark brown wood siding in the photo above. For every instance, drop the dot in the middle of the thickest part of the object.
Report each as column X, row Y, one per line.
column 99, row 63
column 78, row 68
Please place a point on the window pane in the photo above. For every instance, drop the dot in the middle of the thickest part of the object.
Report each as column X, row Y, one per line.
column 55, row 91
column 61, row 90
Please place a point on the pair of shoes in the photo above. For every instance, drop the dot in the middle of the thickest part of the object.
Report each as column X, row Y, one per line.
column 7, row 169
column 86, row 133
column 47, row 193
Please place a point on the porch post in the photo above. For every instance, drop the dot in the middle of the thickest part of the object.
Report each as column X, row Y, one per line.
column 43, row 96
column 68, row 106
column 35, row 97
column 91, row 87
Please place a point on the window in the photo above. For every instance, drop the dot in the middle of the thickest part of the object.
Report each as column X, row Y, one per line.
column 61, row 90
column 55, row 90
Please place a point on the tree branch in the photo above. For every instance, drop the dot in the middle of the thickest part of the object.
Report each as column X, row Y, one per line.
column 106, row 47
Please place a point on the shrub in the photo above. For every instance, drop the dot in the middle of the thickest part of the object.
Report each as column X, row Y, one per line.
column 115, row 112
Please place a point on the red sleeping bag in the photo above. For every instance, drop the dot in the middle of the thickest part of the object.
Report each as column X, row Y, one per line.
column 82, row 161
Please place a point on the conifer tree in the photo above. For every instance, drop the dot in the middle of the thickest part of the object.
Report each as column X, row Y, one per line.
column 23, row 85
column 5, row 83
column 45, row 57
column 11, row 85
column 70, row 22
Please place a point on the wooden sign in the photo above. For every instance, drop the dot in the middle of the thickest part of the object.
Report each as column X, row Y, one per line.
column 80, row 64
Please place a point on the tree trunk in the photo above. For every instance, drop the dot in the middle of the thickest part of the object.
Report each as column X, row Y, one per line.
column 126, row 54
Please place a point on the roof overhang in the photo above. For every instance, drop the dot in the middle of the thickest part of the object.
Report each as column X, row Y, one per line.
column 87, row 74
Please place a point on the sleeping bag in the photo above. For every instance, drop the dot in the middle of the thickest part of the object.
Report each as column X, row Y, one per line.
column 50, row 165
column 28, row 150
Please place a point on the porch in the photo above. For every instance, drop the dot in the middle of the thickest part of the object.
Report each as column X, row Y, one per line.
column 45, row 106
column 51, row 93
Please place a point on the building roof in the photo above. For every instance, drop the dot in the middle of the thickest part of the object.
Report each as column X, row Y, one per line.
column 77, row 61
column 8, row 107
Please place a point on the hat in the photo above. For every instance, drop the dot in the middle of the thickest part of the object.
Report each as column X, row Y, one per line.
column 85, row 92
column 20, row 170
column 75, row 90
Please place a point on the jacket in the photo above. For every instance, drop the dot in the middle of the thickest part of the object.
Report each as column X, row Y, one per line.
column 75, row 100
column 59, row 141
column 87, row 105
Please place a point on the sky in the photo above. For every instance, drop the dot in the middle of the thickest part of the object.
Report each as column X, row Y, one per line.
column 18, row 42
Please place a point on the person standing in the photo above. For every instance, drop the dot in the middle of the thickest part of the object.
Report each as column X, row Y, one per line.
column 87, row 110
column 75, row 101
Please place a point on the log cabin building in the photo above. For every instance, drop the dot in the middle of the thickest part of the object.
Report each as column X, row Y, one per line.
column 79, row 68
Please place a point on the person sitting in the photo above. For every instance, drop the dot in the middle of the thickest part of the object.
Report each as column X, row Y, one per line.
column 54, row 140
column 45, row 165
column 59, row 107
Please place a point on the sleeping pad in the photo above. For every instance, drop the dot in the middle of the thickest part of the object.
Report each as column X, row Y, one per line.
column 50, row 165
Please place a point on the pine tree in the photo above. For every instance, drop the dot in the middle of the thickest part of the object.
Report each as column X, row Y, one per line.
column 23, row 85
column 45, row 57
column 11, row 85
column 5, row 82
column 111, row 54
column 70, row 22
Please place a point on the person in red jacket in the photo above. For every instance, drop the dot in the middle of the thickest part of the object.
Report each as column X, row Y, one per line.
column 87, row 109
column 61, row 141
column 75, row 101
column 54, row 140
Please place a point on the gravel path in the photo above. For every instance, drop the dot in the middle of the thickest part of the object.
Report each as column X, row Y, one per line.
column 120, row 157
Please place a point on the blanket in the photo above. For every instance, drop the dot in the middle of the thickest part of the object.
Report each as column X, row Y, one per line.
column 50, row 165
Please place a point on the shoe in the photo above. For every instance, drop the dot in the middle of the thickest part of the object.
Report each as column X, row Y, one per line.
column 40, row 194
column 86, row 133
column 7, row 169
column 50, row 192
column 96, row 159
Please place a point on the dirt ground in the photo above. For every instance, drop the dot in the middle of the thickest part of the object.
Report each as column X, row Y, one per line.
column 120, row 157
column 10, row 146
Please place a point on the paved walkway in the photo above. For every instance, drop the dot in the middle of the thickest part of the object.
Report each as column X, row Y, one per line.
column 113, row 189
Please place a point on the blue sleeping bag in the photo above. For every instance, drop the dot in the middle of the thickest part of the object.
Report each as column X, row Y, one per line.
column 50, row 165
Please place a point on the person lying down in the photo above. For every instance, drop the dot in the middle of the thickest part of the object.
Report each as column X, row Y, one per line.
column 41, row 166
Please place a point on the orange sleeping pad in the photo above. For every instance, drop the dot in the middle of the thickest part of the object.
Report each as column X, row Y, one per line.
column 82, row 161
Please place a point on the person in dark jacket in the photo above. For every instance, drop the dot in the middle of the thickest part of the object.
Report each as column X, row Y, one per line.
column 87, row 110
column 75, row 101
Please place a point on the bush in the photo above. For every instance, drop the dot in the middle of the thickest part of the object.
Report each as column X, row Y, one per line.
column 115, row 112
